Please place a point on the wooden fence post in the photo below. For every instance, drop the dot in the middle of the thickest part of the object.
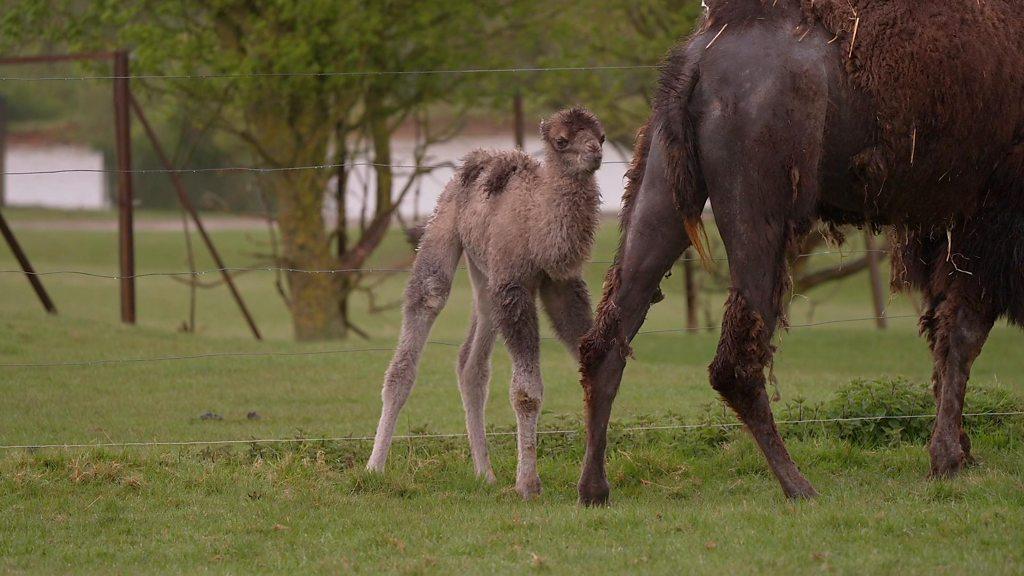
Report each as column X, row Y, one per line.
column 692, row 292
column 26, row 266
column 125, row 197
column 519, row 120
column 3, row 151
column 875, row 273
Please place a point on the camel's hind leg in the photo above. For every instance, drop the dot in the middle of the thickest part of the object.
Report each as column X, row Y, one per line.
column 567, row 303
column 755, row 240
column 762, row 204
column 758, row 271
column 957, row 325
column 425, row 296
column 930, row 329
column 474, row 372
column 516, row 316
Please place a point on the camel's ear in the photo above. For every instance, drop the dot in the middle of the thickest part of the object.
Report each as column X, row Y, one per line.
column 543, row 129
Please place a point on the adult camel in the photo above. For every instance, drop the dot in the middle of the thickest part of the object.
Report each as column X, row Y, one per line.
column 898, row 114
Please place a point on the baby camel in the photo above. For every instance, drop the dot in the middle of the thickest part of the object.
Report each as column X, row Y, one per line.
column 526, row 228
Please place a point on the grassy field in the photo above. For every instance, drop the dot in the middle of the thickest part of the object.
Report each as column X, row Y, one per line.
column 680, row 502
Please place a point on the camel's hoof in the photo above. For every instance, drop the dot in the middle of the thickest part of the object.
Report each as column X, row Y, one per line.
column 487, row 476
column 594, row 493
column 529, row 488
column 806, row 492
column 947, row 459
column 375, row 468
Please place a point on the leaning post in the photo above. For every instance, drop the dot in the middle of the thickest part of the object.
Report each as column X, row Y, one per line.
column 186, row 204
column 875, row 272
column 26, row 266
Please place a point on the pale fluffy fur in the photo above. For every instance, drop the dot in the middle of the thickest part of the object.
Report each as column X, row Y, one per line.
column 526, row 229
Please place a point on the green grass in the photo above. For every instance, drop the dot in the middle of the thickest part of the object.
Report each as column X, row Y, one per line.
column 680, row 504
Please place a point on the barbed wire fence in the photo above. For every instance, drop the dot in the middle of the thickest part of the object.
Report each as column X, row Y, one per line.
column 225, row 270
column 492, row 433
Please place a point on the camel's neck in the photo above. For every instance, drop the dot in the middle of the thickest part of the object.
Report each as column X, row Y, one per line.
column 568, row 211
column 569, row 192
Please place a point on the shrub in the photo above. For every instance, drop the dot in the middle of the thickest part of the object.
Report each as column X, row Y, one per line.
column 885, row 412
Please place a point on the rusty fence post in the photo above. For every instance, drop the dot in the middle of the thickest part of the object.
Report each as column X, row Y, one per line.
column 125, row 197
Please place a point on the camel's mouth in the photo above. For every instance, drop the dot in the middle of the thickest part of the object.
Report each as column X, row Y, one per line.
column 591, row 161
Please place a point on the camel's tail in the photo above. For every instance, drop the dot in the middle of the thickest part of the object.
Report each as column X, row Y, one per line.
column 670, row 121
column 671, row 115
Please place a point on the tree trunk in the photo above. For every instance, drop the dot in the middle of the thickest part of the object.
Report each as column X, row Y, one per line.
column 294, row 139
column 305, row 246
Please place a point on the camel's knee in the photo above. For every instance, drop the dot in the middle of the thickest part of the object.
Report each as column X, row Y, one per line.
column 527, row 402
column 737, row 372
column 427, row 292
column 398, row 382
column 602, row 338
column 606, row 334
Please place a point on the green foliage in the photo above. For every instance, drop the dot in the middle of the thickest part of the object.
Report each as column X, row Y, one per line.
column 619, row 32
column 888, row 409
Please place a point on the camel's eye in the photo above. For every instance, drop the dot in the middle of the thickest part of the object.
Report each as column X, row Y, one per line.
column 561, row 143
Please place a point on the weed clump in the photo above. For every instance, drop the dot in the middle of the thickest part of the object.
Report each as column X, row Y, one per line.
column 887, row 412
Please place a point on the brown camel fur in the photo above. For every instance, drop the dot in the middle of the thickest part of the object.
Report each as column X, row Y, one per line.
column 526, row 229
column 898, row 113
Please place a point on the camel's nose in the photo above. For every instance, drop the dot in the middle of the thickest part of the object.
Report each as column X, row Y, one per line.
column 594, row 147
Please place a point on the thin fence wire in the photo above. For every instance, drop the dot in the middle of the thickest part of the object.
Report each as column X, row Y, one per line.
column 239, row 270
column 437, row 436
column 325, row 166
column 246, row 169
column 269, row 354
column 334, row 74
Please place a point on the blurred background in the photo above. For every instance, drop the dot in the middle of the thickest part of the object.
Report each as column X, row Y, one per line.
column 317, row 136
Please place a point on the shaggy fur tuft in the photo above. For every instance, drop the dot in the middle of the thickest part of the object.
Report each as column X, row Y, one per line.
column 496, row 169
column 574, row 120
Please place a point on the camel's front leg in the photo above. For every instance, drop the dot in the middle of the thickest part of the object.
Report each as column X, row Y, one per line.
column 654, row 240
column 516, row 316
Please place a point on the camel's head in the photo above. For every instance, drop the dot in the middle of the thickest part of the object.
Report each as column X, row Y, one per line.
column 574, row 138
